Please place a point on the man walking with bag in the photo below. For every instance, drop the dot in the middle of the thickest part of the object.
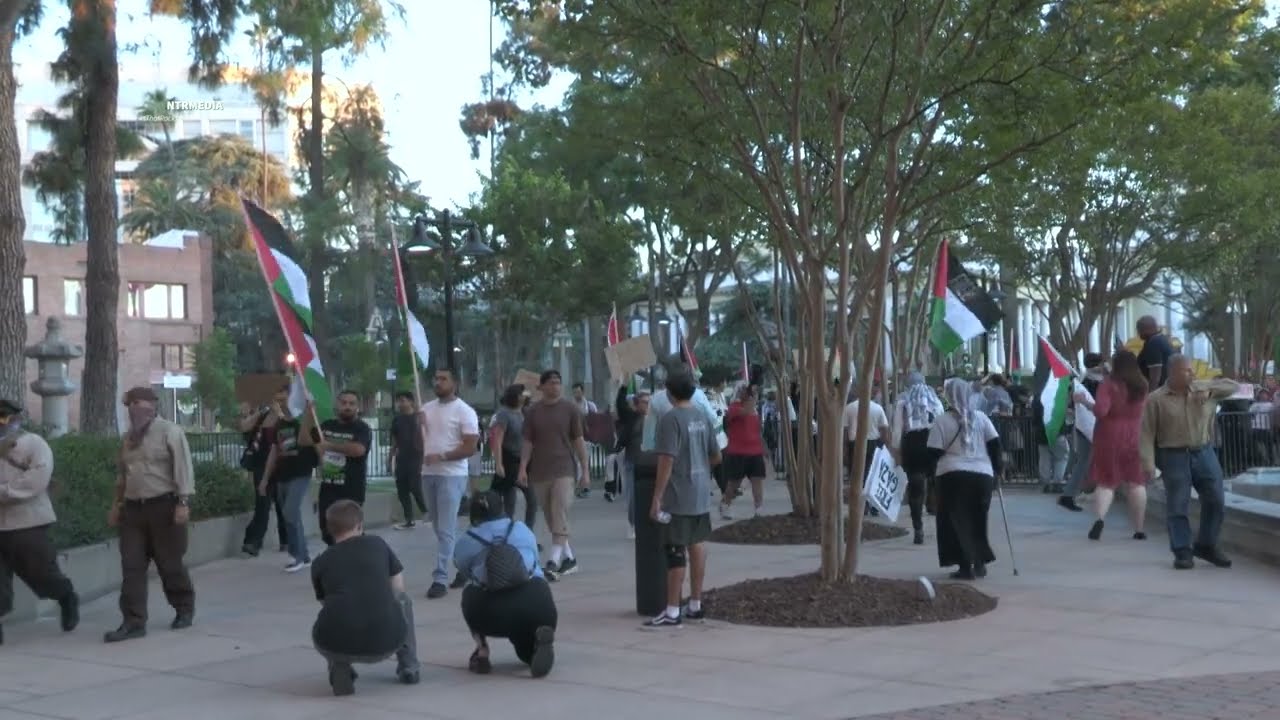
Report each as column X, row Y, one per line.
column 152, row 508
column 26, row 513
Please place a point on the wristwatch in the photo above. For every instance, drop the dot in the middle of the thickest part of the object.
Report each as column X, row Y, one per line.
column 184, row 501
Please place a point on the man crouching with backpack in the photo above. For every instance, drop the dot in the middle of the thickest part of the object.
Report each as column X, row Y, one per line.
column 366, row 617
column 506, row 594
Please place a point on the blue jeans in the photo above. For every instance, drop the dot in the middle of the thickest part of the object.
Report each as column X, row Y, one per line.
column 1053, row 460
column 444, row 495
column 291, row 494
column 1183, row 470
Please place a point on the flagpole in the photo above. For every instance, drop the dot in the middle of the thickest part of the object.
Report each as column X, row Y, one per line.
column 275, row 305
column 403, row 302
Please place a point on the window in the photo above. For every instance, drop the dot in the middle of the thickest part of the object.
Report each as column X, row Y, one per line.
column 246, row 130
column 158, row 301
column 276, row 141
column 73, row 297
column 172, row 357
column 29, row 295
column 191, row 129
column 127, row 196
column 222, row 127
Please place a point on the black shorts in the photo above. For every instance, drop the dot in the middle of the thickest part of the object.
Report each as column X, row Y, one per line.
column 743, row 467
column 686, row 530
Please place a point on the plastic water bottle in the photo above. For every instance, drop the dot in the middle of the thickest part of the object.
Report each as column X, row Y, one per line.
column 664, row 517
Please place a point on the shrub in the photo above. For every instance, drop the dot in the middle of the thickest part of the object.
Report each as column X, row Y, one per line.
column 84, row 477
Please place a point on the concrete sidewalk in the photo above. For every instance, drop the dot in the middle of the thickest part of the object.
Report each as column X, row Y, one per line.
column 1081, row 614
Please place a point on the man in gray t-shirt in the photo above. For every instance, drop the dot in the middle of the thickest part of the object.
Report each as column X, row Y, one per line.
column 687, row 449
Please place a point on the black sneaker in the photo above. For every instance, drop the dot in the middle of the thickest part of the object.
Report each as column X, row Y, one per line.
column 1212, row 555
column 1095, row 532
column 437, row 591
column 1069, row 503
column 544, row 653
column 125, row 632
column 693, row 615
column 408, row 677
column 918, row 539
column 69, row 614
column 459, row 581
column 249, row 550
column 662, row 622
column 608, row 497
column 342, row 678
column 182, row 621
column 551, row 571
column 1139, row 535
column 1182, row 560
column 479, row 664
column 568, row 566
column 979, row 570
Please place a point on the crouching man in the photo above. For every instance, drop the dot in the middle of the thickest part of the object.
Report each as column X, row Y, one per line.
column 26, row 465
column 366, row 616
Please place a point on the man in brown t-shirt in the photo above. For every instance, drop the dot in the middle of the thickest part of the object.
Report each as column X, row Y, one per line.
column 552, row 453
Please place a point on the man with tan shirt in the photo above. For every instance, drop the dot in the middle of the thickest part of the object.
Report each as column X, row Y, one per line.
column 26, row 466
column 1177, row 444
column 152, row 507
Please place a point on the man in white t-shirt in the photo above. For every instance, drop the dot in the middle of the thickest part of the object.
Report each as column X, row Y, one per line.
column 452, row 435
column 877, row 432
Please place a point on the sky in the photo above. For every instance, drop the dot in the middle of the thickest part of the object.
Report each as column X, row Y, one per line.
column 432, row 65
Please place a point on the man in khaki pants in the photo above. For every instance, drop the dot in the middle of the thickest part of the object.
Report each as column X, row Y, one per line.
column 552, row 441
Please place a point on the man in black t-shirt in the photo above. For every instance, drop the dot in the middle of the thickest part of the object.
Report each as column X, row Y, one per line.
column 405, row 457
column 366, row 616
column 344, row 458
column 1156, row 352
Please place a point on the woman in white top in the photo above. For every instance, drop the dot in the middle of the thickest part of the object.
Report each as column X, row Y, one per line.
column 969, row 459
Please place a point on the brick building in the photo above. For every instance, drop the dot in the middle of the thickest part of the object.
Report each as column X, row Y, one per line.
column 166, row 308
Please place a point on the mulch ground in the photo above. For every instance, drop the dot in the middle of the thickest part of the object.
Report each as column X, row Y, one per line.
column 805, row 601
column 791, row 530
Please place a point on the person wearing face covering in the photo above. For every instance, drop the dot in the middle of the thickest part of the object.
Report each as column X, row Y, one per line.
column 152, row 506
column 913, row 416
column 967, row 447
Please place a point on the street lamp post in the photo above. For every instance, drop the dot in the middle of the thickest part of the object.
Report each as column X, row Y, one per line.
column 425, row 241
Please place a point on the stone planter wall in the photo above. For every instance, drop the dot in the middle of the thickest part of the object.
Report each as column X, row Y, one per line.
column 1250, row 527
column 95, row 569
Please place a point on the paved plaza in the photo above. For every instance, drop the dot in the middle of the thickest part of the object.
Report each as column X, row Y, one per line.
column 1201, row 644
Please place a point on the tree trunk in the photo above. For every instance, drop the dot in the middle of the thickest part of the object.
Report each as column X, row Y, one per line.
column 98, row 391
column 13, row 323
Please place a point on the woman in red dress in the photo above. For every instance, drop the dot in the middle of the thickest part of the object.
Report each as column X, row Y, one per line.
column 1115, row 461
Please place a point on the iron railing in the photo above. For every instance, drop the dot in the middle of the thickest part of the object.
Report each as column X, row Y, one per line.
column 227, row 447
column 1242, row 440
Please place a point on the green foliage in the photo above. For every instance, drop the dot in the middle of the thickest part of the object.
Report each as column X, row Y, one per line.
column 84, row 477
column 215, row 367
column 362, row 365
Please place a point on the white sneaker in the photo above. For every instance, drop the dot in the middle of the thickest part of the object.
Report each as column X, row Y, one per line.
column 758, row 509
column 404, row 526
column 631, row 533
column 724, row 512
column 297, row 566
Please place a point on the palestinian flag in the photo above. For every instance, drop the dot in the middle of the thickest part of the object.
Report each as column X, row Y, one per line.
column 962, row 309
column 613, row 334
column 287, row 284
column 418, row 356
column 1053, row 382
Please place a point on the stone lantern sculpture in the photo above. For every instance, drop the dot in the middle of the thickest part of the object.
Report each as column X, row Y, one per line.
column 53, row 354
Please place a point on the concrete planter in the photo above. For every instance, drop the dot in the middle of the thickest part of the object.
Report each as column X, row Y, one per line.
column 1250, row 526
column 95, row 569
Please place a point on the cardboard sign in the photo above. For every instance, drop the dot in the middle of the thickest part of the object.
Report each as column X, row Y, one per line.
column 529, row 380
column 1085, row 419
column 1246, row 392
column 885, row 485
column 630, row 356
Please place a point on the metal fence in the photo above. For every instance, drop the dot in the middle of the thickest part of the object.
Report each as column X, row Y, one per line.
column 227, row 447
column 1243, row 440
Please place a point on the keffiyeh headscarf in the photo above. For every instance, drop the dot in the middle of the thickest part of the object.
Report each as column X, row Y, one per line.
column 960, row 396
column 920, row 403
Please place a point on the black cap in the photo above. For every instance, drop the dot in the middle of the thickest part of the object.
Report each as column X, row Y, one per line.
column 8, row 408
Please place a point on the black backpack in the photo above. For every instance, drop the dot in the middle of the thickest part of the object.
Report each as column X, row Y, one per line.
column 504, row 567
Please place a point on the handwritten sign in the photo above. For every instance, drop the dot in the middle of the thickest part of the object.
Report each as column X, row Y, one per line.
column 529, row 380
column 630, row 356
column 885, row 485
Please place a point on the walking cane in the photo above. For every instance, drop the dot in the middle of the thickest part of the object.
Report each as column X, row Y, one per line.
column 1005, row 517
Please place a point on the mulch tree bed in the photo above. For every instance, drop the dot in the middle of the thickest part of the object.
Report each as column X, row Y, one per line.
column 805, row 601
column 791, row 530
